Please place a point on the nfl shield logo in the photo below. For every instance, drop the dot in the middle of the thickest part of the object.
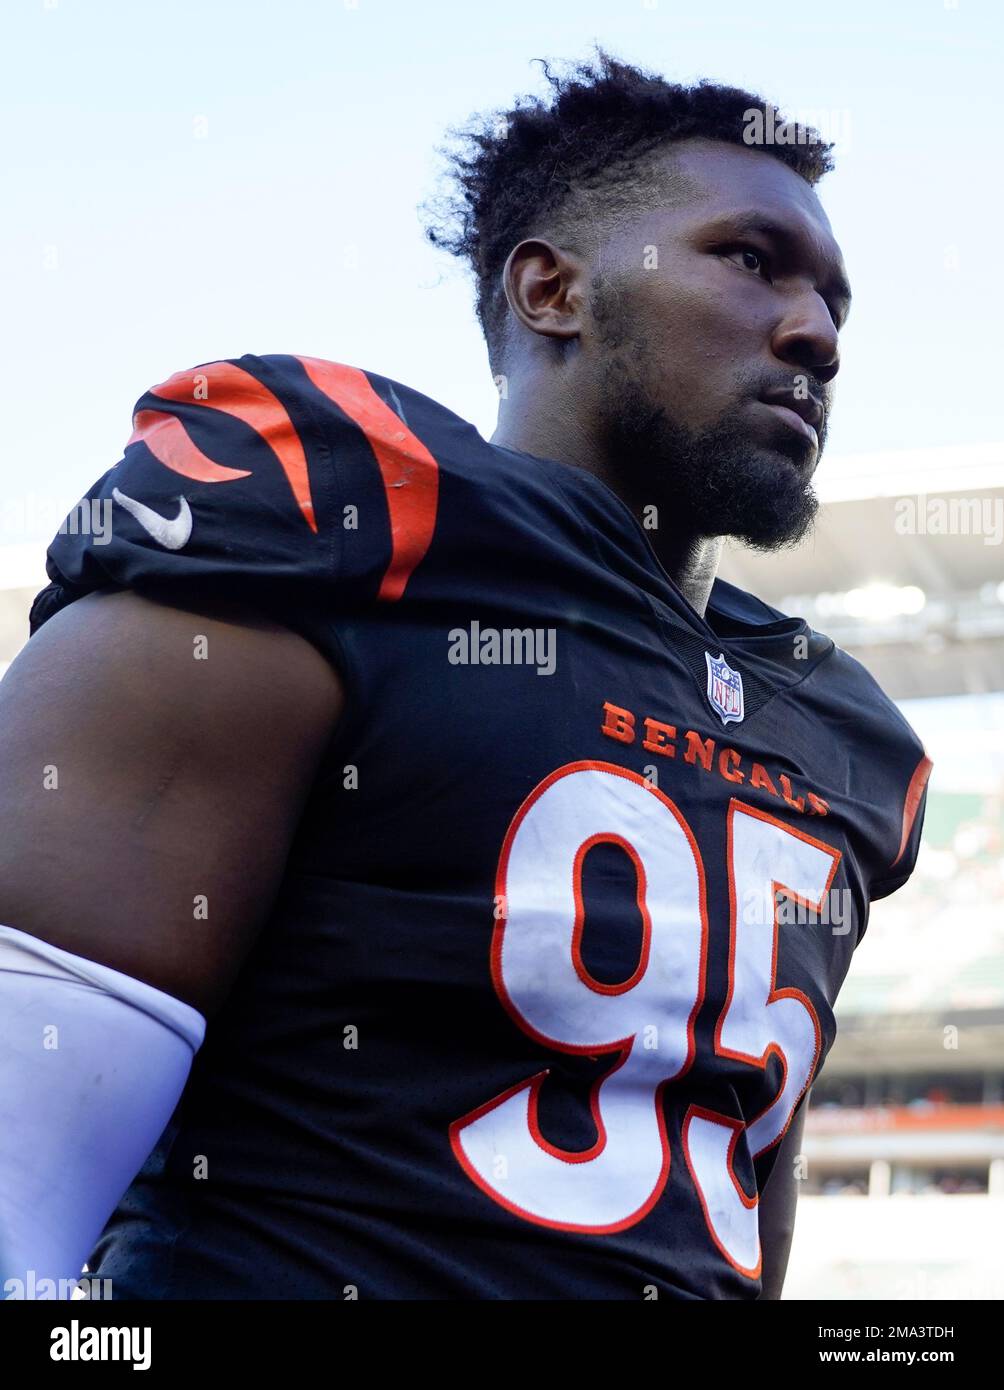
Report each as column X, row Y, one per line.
column 725, row 688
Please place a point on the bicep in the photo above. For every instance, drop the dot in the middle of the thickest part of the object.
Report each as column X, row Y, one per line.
column 153, row 765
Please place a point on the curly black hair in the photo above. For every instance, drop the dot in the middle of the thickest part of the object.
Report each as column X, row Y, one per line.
column 581, row 157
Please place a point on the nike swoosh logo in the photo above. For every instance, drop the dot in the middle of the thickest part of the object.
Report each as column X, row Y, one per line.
column 170, row 532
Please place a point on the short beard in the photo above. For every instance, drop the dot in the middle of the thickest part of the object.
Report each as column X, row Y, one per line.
column 716, row 482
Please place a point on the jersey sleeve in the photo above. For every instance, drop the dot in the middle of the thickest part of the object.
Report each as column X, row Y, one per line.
column 286, row 483
column 907, row 823
column 890, row 775
column 884, row 767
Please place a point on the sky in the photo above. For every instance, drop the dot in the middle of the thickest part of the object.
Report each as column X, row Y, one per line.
column 189, row 181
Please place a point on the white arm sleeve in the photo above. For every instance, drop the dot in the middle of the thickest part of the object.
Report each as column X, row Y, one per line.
column 92, row 1065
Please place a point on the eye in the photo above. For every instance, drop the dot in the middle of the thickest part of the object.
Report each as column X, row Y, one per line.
column 750, row 259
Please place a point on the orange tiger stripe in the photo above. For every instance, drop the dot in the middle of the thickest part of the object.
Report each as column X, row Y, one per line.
column 410, row 473
column 911, row 803
column 168, row 440
column 227, row 387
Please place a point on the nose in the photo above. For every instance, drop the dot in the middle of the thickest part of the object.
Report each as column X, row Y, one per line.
column 806, row 337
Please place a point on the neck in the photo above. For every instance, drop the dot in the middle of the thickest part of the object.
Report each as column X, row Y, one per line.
column 554, row 433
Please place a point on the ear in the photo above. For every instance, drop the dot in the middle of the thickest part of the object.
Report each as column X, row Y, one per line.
column 546, row 288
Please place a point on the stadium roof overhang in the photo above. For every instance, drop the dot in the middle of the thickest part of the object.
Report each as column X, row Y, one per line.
column 904, row 567
column 893, row 1043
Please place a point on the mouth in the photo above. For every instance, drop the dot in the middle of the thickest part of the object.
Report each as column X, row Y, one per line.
column 789, row 417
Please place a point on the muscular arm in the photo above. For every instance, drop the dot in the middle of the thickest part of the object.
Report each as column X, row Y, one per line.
column 142, row 769
column 777, row 1207
column 153, row 766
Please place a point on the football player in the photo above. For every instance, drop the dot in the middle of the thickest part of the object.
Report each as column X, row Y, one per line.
column 421, row 877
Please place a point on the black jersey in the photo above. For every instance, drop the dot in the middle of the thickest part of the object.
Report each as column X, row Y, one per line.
column 555, row 954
